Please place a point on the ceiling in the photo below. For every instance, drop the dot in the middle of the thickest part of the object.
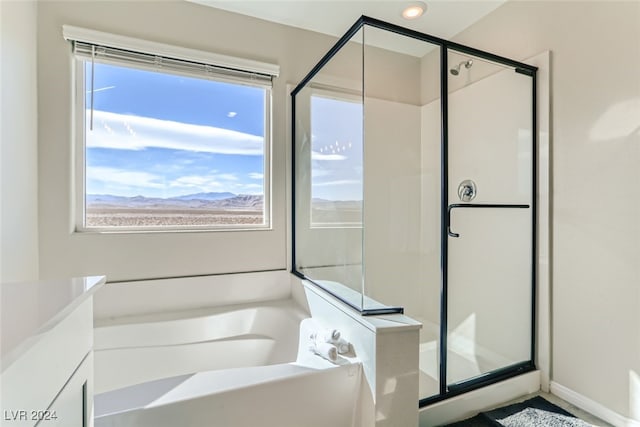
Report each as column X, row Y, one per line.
column 443, row 18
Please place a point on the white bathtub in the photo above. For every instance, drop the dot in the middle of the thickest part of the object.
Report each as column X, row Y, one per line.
column 135, row 349
column 231, row 366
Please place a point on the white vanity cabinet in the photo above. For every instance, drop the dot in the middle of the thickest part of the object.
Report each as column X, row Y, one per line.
column 46, row 344
column 73, row 406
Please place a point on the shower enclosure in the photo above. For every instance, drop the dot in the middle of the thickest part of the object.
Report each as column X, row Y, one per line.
column 414, row 191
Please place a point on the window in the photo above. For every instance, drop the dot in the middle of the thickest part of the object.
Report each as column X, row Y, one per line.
column 169, row 144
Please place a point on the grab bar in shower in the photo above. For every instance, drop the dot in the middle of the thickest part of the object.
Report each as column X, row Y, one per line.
column 476, row 205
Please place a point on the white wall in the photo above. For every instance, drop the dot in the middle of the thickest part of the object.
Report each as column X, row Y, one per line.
column 394, row 263
column 153, row 255
column 19, row 158
column 595, row 87
column 430, row 134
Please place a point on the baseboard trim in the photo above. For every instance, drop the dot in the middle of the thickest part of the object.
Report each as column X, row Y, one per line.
column 591, row 406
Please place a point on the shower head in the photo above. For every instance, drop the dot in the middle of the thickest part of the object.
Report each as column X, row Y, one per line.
column 456, row 70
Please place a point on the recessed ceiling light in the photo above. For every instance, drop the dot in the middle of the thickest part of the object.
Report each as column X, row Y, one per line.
column 414, row 10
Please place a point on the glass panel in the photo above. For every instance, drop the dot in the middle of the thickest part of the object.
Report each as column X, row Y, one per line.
column 489, row 264
column 402, row 185
column 328, row 181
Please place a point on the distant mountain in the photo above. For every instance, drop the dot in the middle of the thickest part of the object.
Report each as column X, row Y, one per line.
column 243, row 200
column 120, row 200
column 105, row 198
column 205, row 196
column 222, row 200
column 318, row 202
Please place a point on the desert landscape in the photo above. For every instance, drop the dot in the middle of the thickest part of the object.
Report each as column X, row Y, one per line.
column 203, row 210
column 343, row 212
column 193, row 210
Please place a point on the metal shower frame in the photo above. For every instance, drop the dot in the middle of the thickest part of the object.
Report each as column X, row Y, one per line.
column 446, row 390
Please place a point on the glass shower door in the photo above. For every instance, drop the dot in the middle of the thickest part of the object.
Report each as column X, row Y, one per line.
column 489, row 214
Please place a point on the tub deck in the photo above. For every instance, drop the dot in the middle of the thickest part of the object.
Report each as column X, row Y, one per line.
column 277, row 395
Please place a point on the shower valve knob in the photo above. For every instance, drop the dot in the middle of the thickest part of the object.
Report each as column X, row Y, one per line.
column 467, row 190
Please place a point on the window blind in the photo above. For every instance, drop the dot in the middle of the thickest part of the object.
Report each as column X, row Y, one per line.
column 104, row 47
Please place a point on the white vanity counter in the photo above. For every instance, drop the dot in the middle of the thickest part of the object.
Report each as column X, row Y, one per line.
column 46, row 339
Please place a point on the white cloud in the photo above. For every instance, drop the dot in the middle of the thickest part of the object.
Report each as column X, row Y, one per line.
column 338, row 182
column 127, row 132
column 227, row 177
column 317, row 173
column 127, row 182
column 206, row 183
column 257, row 186
column 256, row 175
column 124, row 177
column 196, row 181
column 320, row 156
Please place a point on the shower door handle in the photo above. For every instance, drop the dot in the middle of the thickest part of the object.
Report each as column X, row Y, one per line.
column 476, row 205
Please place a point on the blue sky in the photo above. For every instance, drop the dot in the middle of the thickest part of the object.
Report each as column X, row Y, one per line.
column 163, row 135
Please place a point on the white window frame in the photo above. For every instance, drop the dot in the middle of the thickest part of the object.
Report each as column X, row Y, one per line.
column 172, row 52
